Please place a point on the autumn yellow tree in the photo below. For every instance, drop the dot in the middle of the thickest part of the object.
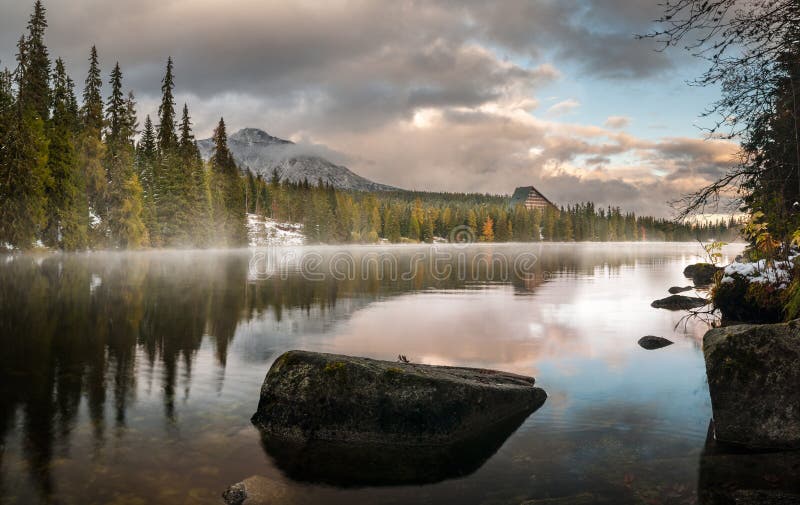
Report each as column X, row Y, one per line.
column 487, row 233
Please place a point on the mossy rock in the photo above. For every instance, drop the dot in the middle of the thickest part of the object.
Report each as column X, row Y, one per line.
column 754, row 381
column 702, row 274
column 315, row 396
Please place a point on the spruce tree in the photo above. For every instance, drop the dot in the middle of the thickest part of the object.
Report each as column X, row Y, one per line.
column 92, row 113
column 8, row 140
column 115, row 109
column 22, row 210
column 166, row 112
column 125, row 226
column 67, row 209
column 171, row 203
column 228, row 194
column 34, row 85
column 193, row 184
column 91, row 150
column 146, row 160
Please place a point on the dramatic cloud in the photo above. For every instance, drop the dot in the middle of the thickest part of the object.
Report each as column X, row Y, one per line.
column 447, row 95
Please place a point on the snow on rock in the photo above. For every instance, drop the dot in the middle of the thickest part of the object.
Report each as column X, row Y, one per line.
column 262, row 232
column 778, row 272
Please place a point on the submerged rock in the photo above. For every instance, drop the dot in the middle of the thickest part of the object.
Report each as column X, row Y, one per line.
column 651, row 342
column 314, row 396
column 702, row 274
column 754, row 381
column 677, row 289
column 732, row 476
column 679, row 302
column 256, row 490
column 236, row 494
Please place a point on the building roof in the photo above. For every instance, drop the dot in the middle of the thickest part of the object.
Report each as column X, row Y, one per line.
column 529, row 194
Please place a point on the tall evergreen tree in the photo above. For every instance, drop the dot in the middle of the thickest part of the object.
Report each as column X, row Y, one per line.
column 125, row 225
column 67, row 207
column 92, row 113
column 166, row 111
column 228, row 195
column 146, row 161
column 115, row 109
column 91, row 150
column 34, row 85
column 193, row 184
column 22, row 210
column 7, row 141
column 171, row 203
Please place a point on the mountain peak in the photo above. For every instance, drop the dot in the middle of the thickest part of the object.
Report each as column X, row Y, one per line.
column 256, row 136
column 257, row 150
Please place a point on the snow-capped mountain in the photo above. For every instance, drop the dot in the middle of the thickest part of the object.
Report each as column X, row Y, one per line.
column 261, row 152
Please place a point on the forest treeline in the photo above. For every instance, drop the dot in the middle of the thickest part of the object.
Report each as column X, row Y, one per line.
column 331, row 216
column 87, row 175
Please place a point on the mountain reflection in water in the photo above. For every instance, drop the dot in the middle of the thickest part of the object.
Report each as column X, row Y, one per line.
column 131, row 377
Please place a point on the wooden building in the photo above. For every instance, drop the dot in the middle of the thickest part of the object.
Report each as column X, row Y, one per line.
column 531, row 198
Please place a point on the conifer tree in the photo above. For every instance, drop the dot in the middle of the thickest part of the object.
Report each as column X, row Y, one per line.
column 166, row 112
column 34, row 85
column 171, row 176
column 115, row 109
column 92, row 113
column 228, row 195
column 125, row 226
column 22, row 209
column 91, row 150
column 193, row 184
column 67, row 207
column 146, row 159
column 7, row 139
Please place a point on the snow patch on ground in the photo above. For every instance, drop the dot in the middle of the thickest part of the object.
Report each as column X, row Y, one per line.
column 263, row 232
column 778, row 272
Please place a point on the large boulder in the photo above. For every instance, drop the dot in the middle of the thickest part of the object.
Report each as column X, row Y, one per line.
column 679, row 302
column 702, row 274
column 754, row 381
column 309, row 396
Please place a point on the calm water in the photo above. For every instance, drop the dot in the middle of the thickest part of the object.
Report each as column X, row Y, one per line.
column 131, row 378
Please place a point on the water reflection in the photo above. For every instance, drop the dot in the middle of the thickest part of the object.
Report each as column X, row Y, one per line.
column 145, row 367
column 729, row 475
column 348, row 465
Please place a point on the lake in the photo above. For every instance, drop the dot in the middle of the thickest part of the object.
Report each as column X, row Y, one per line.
column 130, row 378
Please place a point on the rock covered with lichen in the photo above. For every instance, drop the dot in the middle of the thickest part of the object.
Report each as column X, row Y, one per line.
column 754, row 381
column 310, row 396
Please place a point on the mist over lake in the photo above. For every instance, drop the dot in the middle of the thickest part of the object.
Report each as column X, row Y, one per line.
column 131, row 377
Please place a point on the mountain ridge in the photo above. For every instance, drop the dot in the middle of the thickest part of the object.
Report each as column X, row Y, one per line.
column 257, row 150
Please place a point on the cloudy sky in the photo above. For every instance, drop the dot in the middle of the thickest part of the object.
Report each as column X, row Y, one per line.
column 443, row 95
